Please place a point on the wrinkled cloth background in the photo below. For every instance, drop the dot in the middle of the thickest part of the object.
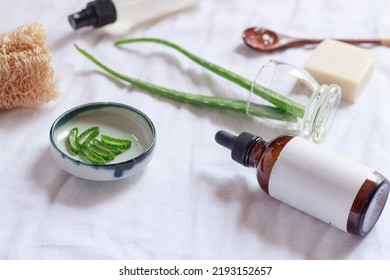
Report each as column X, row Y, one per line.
column 192, row 201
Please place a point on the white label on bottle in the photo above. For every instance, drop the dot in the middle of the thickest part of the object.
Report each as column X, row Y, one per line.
column 316, row 181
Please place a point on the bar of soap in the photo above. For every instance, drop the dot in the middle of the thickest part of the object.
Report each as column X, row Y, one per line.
column 335, row 62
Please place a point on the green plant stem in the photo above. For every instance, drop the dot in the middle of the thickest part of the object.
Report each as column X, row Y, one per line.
column 280, row 101
column 194, row 99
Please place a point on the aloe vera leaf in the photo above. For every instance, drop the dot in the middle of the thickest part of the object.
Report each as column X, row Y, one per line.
column 282, row 102
column 194, row 99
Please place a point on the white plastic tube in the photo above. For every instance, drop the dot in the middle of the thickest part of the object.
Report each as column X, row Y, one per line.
column 133, row 12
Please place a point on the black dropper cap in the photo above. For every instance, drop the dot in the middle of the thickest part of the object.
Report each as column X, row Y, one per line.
column 241, row 145
column 97, row 13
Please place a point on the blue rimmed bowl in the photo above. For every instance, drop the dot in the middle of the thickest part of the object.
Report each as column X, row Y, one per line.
column 114, row 119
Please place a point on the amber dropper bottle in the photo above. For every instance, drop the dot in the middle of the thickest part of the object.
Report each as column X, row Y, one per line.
column 337, row 190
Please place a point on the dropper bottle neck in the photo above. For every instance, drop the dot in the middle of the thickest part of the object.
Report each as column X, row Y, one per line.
column 242, row 147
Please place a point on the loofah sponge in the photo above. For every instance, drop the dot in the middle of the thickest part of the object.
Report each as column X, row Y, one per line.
column 26, row 74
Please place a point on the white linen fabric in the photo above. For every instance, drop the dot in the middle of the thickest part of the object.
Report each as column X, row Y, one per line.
column 192, row 201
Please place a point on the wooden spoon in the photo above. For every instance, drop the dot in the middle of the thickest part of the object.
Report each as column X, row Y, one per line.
column 266, row 40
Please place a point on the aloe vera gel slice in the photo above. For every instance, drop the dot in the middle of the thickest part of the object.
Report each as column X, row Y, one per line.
column 88, row 135
column 122, row 144
column 90, row 156
column 71, row 141
column 103, row 153
column 100, row 144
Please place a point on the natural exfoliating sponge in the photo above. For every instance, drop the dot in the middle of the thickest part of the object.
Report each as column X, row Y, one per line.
column 26, row 74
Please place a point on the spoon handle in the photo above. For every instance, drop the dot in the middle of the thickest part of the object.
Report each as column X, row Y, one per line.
column 385, row 42
column 302, row 42
column 361, row 41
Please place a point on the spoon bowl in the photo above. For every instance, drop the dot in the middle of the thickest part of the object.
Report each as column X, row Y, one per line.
column 260, row 38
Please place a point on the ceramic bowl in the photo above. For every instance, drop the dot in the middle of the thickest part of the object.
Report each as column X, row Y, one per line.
column 116, row 120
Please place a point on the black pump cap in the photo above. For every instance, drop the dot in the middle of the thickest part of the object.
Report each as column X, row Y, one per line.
column 97, row 13
column 241, row 145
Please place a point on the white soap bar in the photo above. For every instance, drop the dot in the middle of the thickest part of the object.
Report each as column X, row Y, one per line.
column 335, row 62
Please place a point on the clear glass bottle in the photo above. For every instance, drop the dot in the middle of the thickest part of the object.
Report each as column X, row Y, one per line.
column 125, row 13
column 341, row 192
column 312, row 106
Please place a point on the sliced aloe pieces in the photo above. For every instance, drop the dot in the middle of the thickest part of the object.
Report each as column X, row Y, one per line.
column 91, row 149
